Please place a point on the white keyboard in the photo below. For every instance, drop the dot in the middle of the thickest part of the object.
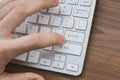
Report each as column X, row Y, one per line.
column 73, row 19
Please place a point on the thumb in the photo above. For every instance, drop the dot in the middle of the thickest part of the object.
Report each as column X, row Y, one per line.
column 22, row 76
column 15, row 47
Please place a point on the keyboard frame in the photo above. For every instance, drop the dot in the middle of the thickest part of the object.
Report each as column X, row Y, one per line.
column 72, row 58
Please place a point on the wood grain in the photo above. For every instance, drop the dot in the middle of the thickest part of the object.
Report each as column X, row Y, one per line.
column 103, row 54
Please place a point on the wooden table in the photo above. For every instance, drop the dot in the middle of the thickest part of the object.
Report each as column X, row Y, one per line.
column 103, row 54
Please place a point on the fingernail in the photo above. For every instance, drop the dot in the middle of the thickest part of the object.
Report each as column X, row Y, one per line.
column 63, row 40
column 55, row 2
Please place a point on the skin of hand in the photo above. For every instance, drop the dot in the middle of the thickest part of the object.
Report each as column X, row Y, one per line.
column 12, row 13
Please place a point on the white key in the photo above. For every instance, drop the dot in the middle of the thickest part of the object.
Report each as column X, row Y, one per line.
column 69, row 49
column 65, row 9
column 44, row 10
column 14, row 36
column 81, row 24
column 59, row 31
column 82, row 11
column 68, row 22
column 44, row 29
column 85, row 2
column 32, row 18
column 45, row 62
column 60, row 57
column 72, row 2
column 55, row 21
column 21, row 28
column 48, row 48
column 22, row 57
column 74, row 36
column 32, row 29
column 57, row 64
column 62, row 1
column 54, row 10
column 72, row 67
column 33, row 56
column 43, row 19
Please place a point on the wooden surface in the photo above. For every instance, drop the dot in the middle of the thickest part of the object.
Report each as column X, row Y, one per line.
column 103, row 54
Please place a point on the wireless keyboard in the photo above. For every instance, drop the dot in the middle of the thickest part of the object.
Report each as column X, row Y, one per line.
column 72, row 19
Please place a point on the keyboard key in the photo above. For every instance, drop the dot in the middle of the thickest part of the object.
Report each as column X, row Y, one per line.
column 68, row 22
column 82, row 12
column 54, row 10
column 60, row 57
column 72, row 67
column 56, row 30
column 62, row 1
column 44, row 29
column 32, row 29
column 21, row 28
column 55, row 21
column 57, row 64
column 22, row 57
column 49, row 48
column 74, row 36
column 69, row 49
column 45, row 62
column 43, row 19
column 72, row 2
column 44, row 10
column 81, row 24
column 65, row 9
column 33, row 56
column 14, row 36
column 32, row 18
column 85, row 2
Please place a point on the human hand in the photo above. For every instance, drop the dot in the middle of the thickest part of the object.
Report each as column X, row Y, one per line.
column 12, row 13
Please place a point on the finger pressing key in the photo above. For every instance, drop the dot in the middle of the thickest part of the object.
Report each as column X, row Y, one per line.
column 30, row 42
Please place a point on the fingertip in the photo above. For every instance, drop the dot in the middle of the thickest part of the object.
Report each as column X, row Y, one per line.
column 63, row 40
column 57, row 39
column 55, row 2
